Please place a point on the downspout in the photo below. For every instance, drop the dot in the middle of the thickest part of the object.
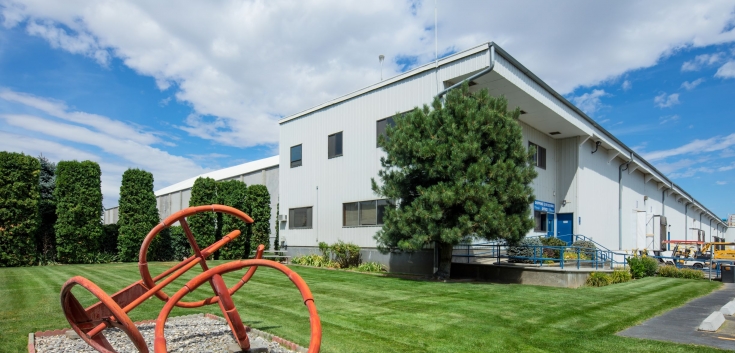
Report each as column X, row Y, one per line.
column 700, row 223
column 487, row 70
column 620, row 201
column 686, row 220
column 710, row 229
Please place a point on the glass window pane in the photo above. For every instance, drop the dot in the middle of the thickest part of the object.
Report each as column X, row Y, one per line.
column 368, row 213
column 379, row 130
column 349, row 214
column 331, row 145
column 308, row 217
column 300, row 217
column 296, row 156
column 338, row 144
column 382, row 204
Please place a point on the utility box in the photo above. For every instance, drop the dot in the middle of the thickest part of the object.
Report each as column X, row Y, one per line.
column 727, row 273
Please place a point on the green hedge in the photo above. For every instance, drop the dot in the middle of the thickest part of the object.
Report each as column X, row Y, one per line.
column 78, row 210
column 203, row 225
column 45, row 237
column 525, row 248
column 19, row 217
column 180, row 247
column 138, row 215
column 234, row 193
column 259, row 207
column 642, row 266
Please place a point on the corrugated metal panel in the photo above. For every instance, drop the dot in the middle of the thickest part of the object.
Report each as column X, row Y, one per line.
column 566, row 185
column 597, row 196
column 544, row 186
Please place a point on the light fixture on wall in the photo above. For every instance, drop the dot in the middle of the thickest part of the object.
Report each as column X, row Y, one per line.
column 563, row 203
column 597, row 146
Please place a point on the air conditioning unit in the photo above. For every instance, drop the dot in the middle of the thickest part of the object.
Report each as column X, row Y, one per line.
column 283, row 218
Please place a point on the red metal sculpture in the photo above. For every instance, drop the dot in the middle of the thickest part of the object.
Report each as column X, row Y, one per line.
column 111, row 311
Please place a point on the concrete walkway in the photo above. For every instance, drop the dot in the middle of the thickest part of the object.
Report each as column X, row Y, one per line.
column 680, row 325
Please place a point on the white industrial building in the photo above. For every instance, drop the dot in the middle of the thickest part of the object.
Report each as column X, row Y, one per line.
column 589, row 182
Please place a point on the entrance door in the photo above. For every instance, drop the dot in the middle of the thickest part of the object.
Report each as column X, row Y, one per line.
column 550, row 224
column 565, row 227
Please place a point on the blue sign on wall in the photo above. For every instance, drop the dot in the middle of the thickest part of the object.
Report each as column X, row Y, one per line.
column 547, row 207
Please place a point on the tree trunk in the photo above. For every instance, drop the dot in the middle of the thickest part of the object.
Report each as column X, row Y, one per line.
column 445, row 261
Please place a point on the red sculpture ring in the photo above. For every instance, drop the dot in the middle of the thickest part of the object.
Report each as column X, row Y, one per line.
column 159, row 343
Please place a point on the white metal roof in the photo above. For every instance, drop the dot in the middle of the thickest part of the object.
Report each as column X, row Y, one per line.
column 222, row 174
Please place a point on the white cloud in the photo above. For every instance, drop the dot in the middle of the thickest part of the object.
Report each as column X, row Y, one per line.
column 115, row 145
column 690, row 172
column 701, row 61
column 692, row 85
column 101, row 123
column 664, row 101
column 720, row 182
column 626, row 85
column 590, row 101
column 727, row 70
column 668, row 119
column 712, row 144
column 250, row 63
column 674, row 166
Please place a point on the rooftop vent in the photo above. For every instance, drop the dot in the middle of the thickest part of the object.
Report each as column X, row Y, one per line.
column 554, row 133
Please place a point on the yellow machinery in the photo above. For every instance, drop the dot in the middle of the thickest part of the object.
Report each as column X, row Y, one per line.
column 720, row 250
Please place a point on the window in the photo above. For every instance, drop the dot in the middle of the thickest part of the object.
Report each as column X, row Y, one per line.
column 296, row 156
column 539, row 158
column 380, row 128
column 334, row 143
column 540, row 218
column 363, row 213
column 300, row 218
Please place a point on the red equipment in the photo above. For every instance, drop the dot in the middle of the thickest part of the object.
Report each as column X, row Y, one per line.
column 111, row 311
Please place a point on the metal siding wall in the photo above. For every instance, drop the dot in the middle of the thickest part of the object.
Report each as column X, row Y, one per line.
column 347, row 178
column 567, row 176
column 544, row 186
column 175, row 205
column 675, row 217
column 598, row 196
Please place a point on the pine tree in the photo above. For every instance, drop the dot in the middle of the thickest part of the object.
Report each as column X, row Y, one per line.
column 458, row 170
column 233, row 193
column 46, row 238
column 138, row 215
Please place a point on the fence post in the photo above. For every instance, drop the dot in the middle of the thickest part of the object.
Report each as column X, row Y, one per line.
column 561, row 261
column 578, row 258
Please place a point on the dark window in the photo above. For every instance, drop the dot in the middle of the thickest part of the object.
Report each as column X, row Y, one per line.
column 296, row 156
column 363, row 213
column 540, row 218
column 300, row 218
column 334, row 143
column 350, row 214
column 539, row 158
column 380, row 128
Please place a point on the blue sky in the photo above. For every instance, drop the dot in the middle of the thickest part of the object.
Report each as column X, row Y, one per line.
column 133, row 84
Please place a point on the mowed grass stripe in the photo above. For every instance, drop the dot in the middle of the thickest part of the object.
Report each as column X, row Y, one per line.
column 367, row 313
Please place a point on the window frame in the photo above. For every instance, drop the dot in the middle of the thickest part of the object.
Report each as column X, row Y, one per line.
column 338, row 137
column 539, row 158
column 378, row 213
column 310, row 220
column 377, row 130
column 300, row 160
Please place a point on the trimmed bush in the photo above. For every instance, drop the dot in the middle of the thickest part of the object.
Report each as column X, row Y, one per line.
column 79, row 211
column 552, row 241
column 180, row 247
column 19, row 217
column 203, row 225
column 643, row 266
column 233, row 193
column 588, row 248
column 598, row 279
column 313, row 260
column 668, row 271
column 45, row 237
column 371, row 267
column 259, row 207
column 346, row 254
column 688, row 273
column 277, row 240
column 620, row 276
column 524, row 249
column 138, row 215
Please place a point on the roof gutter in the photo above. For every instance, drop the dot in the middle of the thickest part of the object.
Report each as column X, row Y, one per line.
column 485, row 71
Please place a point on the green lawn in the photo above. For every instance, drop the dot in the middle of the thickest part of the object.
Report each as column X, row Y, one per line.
column 368, row 313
